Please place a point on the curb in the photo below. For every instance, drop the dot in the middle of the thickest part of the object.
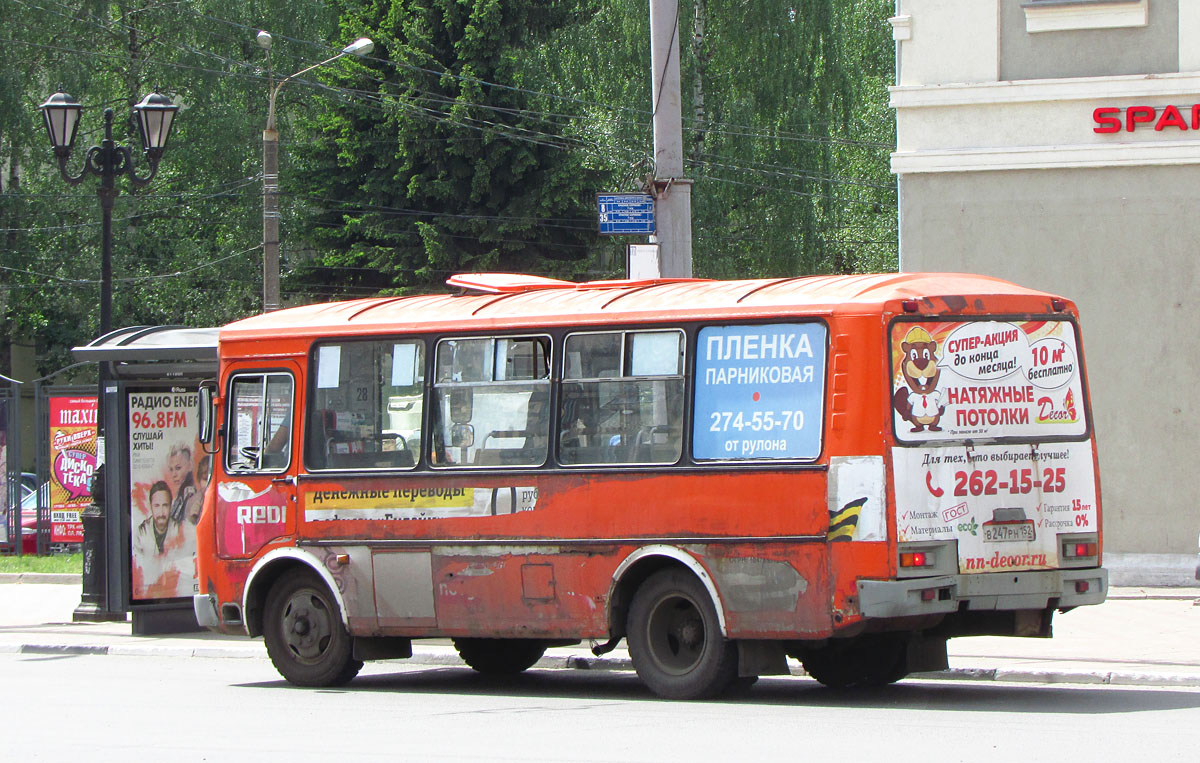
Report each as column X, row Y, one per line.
column 624, row 664
column 57, row 578
column 120, row 650
column 1095, row 677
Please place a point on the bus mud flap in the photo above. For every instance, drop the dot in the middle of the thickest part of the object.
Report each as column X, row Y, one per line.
column 926, row 653
column 761, row 658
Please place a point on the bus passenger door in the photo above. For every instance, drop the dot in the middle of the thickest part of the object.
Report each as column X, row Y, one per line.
column 256, row 495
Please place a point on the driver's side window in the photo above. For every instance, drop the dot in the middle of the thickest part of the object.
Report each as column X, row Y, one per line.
column 259, row 423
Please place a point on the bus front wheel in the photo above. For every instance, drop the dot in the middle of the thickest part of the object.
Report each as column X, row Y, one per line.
column 306, row 639
column 499, row 656
column 675, row 639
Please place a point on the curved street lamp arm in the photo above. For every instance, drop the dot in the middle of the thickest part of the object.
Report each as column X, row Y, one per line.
column 285, row 80
column 63, row 153
column 131, row 172
column 108, row 161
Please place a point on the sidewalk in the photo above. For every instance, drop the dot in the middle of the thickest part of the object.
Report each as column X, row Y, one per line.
column 1141, row 637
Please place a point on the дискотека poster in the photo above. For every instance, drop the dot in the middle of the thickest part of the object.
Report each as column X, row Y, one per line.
column 72, row 463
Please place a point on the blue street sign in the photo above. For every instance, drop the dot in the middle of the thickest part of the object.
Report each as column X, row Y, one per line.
column 626, row 213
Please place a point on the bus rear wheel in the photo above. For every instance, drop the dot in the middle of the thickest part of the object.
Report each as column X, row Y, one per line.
column 499, row 656
column 305, row 636
column 675, row 639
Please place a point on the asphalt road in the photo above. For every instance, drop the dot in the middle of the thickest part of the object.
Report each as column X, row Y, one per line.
column 60, row 707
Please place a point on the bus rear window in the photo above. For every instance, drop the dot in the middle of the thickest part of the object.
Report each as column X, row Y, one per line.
column 986, row 379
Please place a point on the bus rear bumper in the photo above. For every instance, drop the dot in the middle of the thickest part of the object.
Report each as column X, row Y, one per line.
column 1001, row 591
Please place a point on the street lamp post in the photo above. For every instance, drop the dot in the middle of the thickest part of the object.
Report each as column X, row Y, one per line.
column 155, row 115
column 359, row 47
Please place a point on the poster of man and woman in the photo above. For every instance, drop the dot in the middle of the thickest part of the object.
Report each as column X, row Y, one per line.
column 168, row 473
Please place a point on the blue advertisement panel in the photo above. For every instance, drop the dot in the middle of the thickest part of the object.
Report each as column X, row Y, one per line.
column 759, row 392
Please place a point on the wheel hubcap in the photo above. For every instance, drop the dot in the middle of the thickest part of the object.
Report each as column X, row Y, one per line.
column 307, row 626
column 676, row 634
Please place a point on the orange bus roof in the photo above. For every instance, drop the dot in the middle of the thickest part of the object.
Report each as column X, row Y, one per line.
column 510, row 301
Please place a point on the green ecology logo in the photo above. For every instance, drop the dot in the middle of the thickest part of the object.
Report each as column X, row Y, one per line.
column 968, row 527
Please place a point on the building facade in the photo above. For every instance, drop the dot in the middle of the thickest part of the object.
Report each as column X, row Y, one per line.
column 1056, row 143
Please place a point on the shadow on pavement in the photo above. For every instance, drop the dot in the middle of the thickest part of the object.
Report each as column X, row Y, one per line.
column 931, row 695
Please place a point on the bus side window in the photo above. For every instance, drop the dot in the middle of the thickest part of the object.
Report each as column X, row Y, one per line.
column 622, row 398
column 366, row 408
column 507, row 381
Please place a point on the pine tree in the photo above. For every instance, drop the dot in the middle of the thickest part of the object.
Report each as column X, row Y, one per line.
column 444, row 169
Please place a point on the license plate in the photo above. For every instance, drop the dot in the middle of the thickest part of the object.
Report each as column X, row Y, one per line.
column 1009, row 532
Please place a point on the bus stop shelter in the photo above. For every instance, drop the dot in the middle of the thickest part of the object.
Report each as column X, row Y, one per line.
column 140, row 557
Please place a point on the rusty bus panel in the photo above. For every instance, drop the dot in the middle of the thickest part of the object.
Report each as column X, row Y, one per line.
column 522, row 593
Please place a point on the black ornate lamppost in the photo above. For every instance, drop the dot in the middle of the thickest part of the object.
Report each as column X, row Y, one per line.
column 155, row 114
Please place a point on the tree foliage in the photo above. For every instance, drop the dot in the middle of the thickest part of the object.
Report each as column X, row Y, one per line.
column 185, row 246
column 442, row 168
column 475, row 137
column 786, row 126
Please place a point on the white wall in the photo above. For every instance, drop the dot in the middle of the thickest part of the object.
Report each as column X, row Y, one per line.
column 951, row 41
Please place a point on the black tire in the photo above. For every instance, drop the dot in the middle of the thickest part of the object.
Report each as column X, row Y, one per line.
column 862, row 663
column 305, row 636
column 499, row 656
column 675, row 638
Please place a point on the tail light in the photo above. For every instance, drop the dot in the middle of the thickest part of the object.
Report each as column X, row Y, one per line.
column 918, row 559
column 1077, row 550
column 926, row 558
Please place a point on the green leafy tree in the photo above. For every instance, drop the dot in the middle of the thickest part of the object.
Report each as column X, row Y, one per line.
column 786, row 126
column 474, row 138
column 186, row 247
column 442, row 165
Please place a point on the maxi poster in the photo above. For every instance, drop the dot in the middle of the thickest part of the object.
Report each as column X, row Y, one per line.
column 992, row 418
column 72, row 464
column 167, row 476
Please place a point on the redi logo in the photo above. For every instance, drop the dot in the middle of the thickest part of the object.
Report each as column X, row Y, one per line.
column 247, row 520
column 261, row 515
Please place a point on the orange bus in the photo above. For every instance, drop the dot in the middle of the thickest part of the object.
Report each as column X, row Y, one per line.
column 845, row 470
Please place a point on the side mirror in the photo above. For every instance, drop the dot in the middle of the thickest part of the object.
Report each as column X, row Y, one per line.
column 206, row 413
column 462, row 436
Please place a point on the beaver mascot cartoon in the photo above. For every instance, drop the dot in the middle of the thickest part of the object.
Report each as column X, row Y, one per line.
column 919, row 402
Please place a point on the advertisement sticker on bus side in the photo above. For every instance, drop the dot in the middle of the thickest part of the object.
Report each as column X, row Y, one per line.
column 759, row 391
column 959, row 383
column 383, row 502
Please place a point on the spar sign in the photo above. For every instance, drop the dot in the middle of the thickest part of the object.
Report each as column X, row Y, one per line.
column 986, row 379
column 72, row 464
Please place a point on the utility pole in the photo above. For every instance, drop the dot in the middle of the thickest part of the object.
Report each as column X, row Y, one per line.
column 271, row 301
column 673, row 192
